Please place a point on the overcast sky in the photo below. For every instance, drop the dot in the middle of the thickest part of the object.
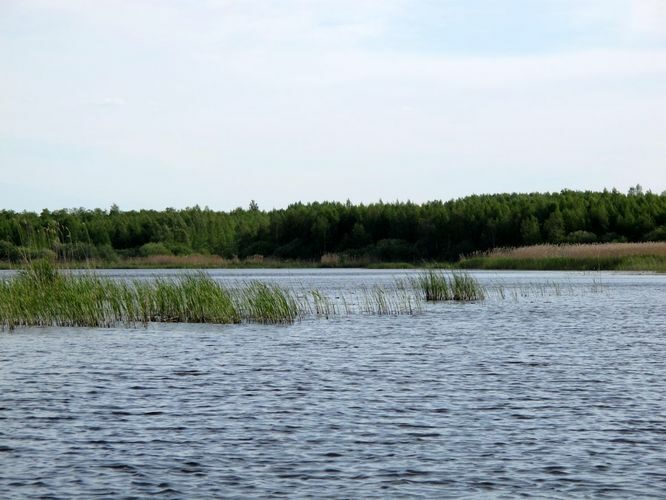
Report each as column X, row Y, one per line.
column 172, row 103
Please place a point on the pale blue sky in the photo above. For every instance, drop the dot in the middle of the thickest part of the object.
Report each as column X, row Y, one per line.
column 157, row 103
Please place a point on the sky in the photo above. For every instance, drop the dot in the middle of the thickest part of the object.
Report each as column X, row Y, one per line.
column 176, row 103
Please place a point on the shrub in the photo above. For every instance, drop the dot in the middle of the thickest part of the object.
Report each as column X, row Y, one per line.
column 106, row 253
column 395, row 250
column 150, row 249
column 9, row 251
column 582, row 237
column 179, row 249
column 658, row 234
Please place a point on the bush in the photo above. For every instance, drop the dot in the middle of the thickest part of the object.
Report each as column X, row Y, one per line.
column 659, row 234
column 295, row 249
column 150, row 249
column 395, row 250
column 106, row 253
column 613, row 238
column 179, row 249
column 9, row 251
column 581, row 237
column 257, row 248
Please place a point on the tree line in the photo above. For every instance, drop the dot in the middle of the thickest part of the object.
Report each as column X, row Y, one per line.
column 398, row 231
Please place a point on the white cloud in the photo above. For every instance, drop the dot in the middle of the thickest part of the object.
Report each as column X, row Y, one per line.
column 110, row 101
column 219, row 105
column 648, row 18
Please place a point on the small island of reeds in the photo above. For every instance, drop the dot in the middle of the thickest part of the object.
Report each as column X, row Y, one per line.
column 42, row 295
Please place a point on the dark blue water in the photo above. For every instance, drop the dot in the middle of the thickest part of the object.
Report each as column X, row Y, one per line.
column 555, row 391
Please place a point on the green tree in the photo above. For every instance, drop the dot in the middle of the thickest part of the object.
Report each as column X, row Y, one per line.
column 530, row 231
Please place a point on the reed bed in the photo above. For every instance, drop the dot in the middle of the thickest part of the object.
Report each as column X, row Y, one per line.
column 382, row 301
column 194, row 261
column 42, row 295
column 436, row 285
column 584, row 257
column 591, row 250
column 266, row 303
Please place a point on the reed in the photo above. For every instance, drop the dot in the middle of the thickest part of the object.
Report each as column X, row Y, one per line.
column 594, row 250
column 545, row 289
column 385, row 301
column 266, row 303
column 42, row 296
column 437, row 285
column 584, row 257
column 194, row 261
column 322, row 305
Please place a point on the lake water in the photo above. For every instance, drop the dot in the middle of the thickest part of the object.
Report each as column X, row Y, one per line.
column 555, row 387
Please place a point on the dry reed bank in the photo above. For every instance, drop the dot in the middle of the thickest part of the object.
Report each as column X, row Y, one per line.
column 647, row 256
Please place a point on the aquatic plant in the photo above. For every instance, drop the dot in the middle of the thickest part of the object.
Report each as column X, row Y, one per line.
column 322, row 305
column 266, row 303
column 436, row 285
column 381, row 301
column 42, row 296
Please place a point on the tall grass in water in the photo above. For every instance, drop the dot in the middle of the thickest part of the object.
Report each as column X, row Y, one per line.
column 376, row 300
column 440, row 286
column 322, row 305
column 387, row 301
column 41, row 296
column 266, row 303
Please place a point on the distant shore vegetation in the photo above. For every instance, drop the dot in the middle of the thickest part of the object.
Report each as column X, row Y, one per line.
column 647, row 256
column 474, row 231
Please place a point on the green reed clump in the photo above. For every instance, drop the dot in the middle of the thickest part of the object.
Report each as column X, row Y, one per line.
column 434, row 285
column 379, row 300
column 190, row 299
column 42, row 296
column 40, row 272
column 266, row 303
column 466, row 288
column 440, row 286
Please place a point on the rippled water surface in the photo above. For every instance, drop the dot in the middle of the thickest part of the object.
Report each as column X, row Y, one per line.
column 554, row 387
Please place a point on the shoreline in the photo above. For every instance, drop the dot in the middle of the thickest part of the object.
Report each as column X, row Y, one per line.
column 640, row 257
column 508, row 265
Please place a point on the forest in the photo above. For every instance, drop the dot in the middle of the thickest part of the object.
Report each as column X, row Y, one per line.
column 377, row 232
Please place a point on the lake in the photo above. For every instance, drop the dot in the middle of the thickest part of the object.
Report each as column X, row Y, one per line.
column 553, row 386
